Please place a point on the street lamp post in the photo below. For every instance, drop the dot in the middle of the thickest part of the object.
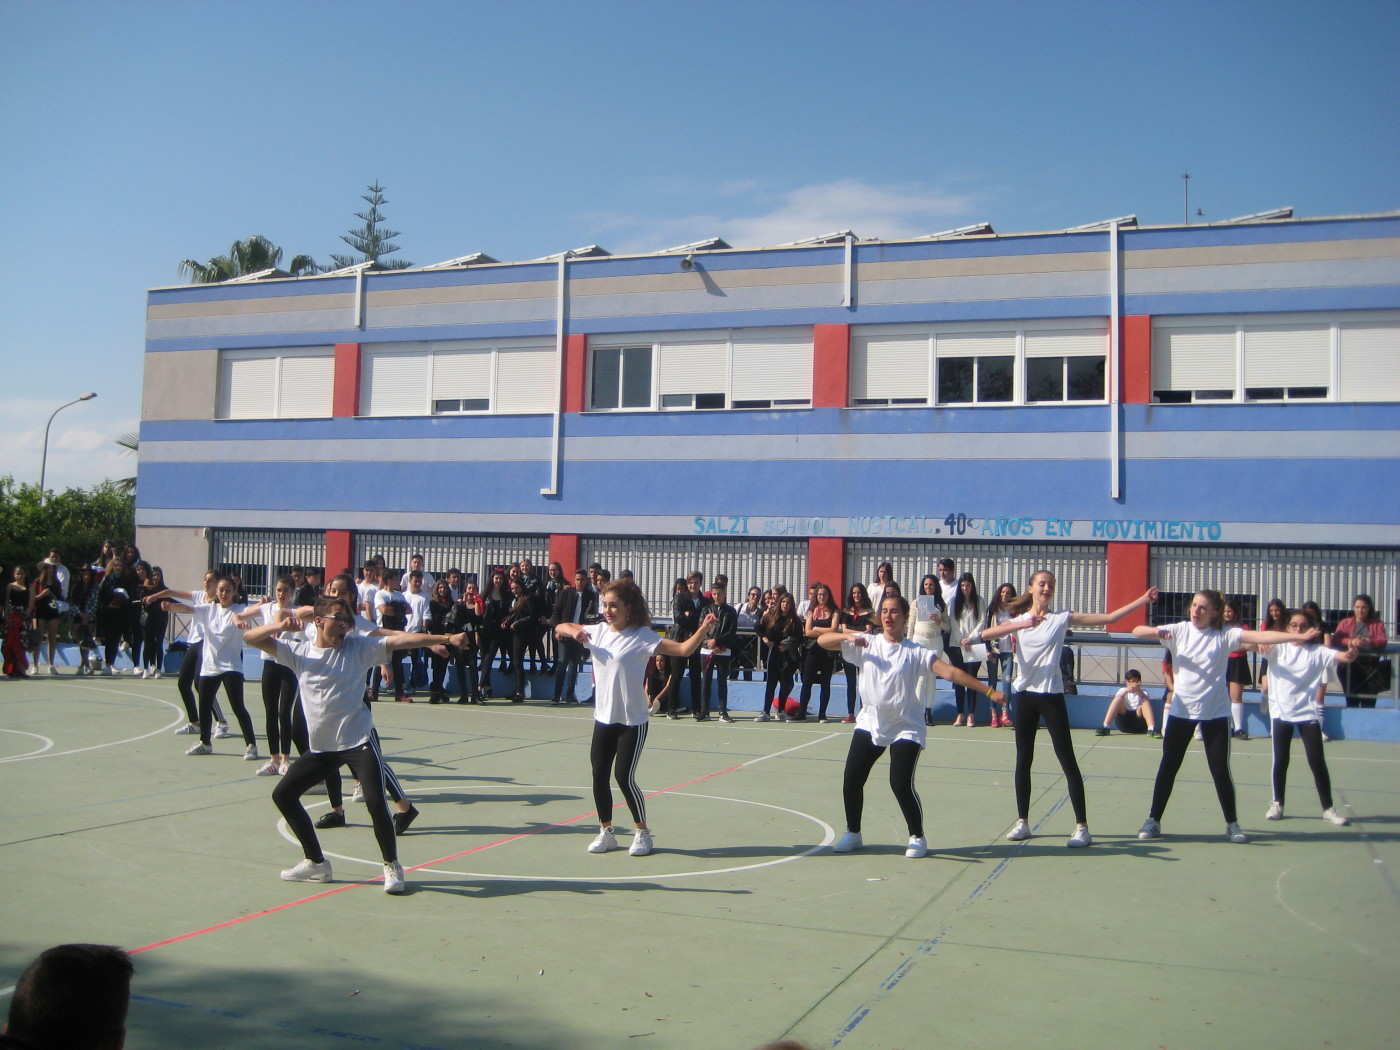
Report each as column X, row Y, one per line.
column 44, row 459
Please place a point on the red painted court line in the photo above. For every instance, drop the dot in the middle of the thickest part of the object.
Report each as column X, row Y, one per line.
column 417, row 867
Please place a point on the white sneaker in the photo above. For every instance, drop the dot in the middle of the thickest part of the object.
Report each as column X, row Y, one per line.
column 848, row 843
column 282, row 769
column 269, row 770
column 393, row 877
column 918, row 847
column 358, row 795
column 250, row 753
column 1080, row 838
column 1151, row 829
column 220, row 731
column 1276, row 811
column 52, row 669
column 1021, row 830
column 1335, row 817
column 762, row 717
column 200, row 749
column 1234, row 833
column 606, row 842
column 308, row 871
column 641, row 843
column 138, row 672
column 187, row 730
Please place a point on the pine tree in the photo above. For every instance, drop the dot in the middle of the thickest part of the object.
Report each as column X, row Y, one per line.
column 370, row 240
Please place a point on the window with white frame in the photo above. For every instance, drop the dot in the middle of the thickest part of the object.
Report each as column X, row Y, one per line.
column 293, row 383
column 1351, row 357
column 1041, row 362
column 704, row 370
column 420, row 379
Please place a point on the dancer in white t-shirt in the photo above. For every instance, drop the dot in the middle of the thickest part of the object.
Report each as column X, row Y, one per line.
column 1200, row 649
column 1040, row 691
column 1295, row 672
column 891, row 716
column 622, row 646
column 330, row 670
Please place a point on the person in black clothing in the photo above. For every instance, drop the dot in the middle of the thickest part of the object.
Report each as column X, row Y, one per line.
column 688, row 607
column 495, row 605
column 576, row 604
column 718, row 652
column 439, row 605
column 521, row 622
column 465, row 617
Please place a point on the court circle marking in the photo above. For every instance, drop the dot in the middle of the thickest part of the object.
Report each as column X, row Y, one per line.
column 28, row 754
column 828, row 836
column 47, row 753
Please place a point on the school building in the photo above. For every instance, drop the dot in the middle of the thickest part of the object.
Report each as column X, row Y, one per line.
column 1202, row 405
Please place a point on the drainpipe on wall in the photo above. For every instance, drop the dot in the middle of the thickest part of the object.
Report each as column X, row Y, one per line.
column 558, row 445
column 850, row 297
column 360, row 298
column 1115, row 366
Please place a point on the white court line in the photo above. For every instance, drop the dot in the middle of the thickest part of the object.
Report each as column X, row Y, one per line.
column 111, row 743
column 20, row 732
column 1361, row 949
column 828, row 836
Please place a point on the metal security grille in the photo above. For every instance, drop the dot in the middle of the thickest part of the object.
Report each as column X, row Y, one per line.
column 1332, row 577
column 474, row 555
column 259, row 556
column 1079, row 569
column 657, row 564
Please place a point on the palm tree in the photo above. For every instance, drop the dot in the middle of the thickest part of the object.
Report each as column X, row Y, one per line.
column 253, row 255
column 131, row 441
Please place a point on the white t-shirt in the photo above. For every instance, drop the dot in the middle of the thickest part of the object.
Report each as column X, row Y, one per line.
column 1133, row 698
column 620, row 661
column 890, row 706
column 272, row 613
column 223, row 639
column 417, row 610
column 1038, row 655
column 332, row 683
column 196, row 632
column 1295, row 672
column 1198, row 662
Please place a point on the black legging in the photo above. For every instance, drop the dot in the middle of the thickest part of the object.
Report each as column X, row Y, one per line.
column 816, row 670
column 232, row 682
column 519, row 646
column 1030, row 709
column 279, row 697
column 314, row 767
column 189, row 672
column 904, row 761
column 851, row 671
column 154, row 646
column 777, row 670
column 1215, row 735
column 1311, row 732
column 619, row 746
column 490, row 646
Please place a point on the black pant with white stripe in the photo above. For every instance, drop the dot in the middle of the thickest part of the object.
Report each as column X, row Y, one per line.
column 904, row 761
column 311, row 768
column 618, row 746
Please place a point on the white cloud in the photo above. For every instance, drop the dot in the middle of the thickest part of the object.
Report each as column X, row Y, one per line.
column 887, row 211
column 82, row 449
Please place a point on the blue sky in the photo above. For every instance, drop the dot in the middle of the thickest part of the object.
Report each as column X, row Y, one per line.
column 134, row 135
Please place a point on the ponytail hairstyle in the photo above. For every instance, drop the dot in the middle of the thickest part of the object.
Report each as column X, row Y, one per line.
column 1021, row 604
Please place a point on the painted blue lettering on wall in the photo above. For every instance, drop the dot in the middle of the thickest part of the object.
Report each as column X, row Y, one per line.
column 1157, row 530
column 722, row 526
column 1008, row 527
column 798, row 526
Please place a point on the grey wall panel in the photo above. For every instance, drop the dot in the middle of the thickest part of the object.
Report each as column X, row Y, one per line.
column 183, row 385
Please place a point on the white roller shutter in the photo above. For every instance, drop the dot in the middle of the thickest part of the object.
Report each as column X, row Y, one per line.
column 462, row 374
column 772, row 368
column 694, row 368
column 976, row 344
column 247, row 387
column 1369, row 362
column 1287, row 355
column 305, row 386
column 395, row 383
column 525, row 381
column 1080, row 342
column 889, row 368
column 1194, row 359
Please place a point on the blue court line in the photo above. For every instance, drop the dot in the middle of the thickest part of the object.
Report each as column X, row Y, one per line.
column 924, row 950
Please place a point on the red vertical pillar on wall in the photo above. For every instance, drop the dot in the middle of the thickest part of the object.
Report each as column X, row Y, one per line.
column 575, row 373
column 339, row 549
column 1127, row 579
column 1136, row 388
column 826, row 561
column 831, row 365
column 345, row 389
column 563, row 548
